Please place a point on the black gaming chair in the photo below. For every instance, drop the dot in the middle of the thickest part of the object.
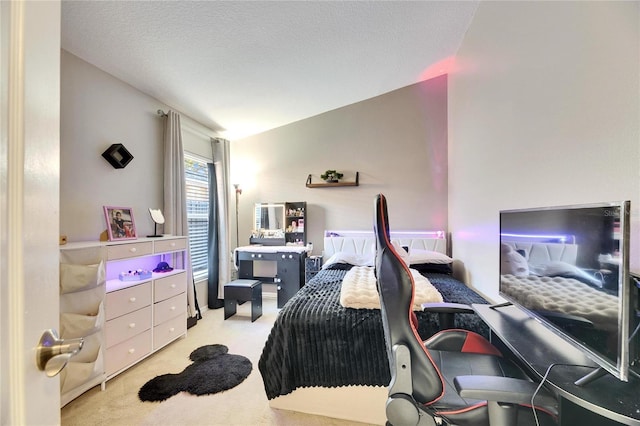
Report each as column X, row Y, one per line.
column 456, row 377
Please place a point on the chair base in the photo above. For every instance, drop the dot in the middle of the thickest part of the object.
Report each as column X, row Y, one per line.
column 241, row 291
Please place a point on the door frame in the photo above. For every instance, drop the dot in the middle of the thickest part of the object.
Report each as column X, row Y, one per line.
column 29, row 205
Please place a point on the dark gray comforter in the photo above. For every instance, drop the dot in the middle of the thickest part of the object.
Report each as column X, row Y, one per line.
column 317, row 342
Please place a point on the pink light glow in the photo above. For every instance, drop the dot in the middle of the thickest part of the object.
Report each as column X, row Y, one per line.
column 445, row 66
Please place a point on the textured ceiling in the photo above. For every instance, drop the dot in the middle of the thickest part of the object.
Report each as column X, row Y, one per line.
column 243, row 67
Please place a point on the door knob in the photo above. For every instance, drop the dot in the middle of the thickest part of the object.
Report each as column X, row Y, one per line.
column 53, row 353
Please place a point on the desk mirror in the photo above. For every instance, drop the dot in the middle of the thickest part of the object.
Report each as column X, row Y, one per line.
column 269, row 220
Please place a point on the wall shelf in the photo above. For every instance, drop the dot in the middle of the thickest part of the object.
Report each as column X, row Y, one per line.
column 332, row 184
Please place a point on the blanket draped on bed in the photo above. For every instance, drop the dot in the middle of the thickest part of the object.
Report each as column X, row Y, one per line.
column 359, row 289
column 317, row 342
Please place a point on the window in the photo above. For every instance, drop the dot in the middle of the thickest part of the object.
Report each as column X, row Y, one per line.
column 197, row 188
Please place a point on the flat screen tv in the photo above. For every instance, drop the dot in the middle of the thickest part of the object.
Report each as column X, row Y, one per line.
column 568, row 267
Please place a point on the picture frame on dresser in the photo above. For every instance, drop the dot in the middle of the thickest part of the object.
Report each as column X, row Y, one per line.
column 120, row 223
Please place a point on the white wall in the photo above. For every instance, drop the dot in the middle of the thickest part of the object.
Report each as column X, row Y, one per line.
column 98, row 110
column 397, row 141
column 544, row 110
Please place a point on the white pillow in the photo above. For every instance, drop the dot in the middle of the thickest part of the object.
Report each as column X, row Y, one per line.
column 417, row 257
column 402, row 252
column 560, row 268
column 564, row 269
column 512, row 262
column 350, row 258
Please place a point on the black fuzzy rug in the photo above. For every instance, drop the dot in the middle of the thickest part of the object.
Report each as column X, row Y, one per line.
column 213, row 370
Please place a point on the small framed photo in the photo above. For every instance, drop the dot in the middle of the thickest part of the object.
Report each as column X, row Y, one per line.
column 120, row 223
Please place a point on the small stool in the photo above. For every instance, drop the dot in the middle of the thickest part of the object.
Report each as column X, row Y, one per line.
column 243, row 290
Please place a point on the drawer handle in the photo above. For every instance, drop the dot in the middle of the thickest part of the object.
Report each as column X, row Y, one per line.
column 132, row 299
column 172, row 329
column 133, row 250
column 132, row 350
column 173, row 286
column 132, row 325
column 173, row 308
column 253, row 255
column 283, row 256
column 173, row 244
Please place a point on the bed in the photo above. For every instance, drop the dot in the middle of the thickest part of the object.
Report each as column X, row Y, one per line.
column 324, row 358
column 545, row 278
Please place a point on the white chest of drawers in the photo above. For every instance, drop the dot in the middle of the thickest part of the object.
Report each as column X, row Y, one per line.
column 140, row 316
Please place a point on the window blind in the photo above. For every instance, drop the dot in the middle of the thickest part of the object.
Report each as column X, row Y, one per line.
column 197, row 188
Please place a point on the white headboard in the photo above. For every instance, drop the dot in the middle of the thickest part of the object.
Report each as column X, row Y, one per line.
column 543, row 253
column 363, row 242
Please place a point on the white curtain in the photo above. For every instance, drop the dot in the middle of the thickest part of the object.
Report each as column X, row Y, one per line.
column 175, row 197
column 220, row 151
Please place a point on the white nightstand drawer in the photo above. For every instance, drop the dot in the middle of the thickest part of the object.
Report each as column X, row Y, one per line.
column 128, row 352
column 117, row 316
column 170, row 286
column 165, row 246
column 168, row 331
column 125, row 327
column 170, row 308
column 124, row 251
column 128, row 300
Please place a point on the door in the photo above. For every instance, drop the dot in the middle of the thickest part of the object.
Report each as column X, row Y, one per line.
column 29, row 206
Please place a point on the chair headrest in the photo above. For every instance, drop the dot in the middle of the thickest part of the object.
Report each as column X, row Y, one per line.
column 381, row 223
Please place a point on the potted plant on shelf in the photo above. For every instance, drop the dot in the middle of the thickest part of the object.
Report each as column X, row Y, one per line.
column 331, row 176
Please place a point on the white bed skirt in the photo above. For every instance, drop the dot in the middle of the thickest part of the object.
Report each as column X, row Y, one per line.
column 364, row 404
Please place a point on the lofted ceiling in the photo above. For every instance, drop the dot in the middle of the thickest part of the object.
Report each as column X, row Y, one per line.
column 244, row 67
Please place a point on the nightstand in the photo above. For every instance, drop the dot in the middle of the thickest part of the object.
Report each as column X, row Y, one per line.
column 312, row 265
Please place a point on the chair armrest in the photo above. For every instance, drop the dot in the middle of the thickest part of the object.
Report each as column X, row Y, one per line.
column 502, row 389
column 447, row 308
column 446, row 312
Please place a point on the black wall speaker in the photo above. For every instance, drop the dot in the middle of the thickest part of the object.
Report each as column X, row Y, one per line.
column 117, row 155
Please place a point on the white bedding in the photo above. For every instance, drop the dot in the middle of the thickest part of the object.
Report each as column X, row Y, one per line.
column 566, row 295
column 359, row 290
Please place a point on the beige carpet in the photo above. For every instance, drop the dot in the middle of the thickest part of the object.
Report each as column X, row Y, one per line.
column 245, row 404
